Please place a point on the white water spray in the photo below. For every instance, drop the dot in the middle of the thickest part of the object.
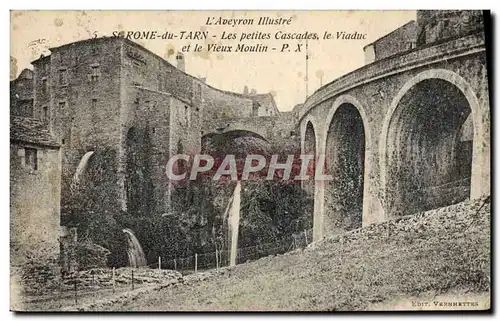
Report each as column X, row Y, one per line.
column 136, row 257
column 82, row 166
column 234, row 222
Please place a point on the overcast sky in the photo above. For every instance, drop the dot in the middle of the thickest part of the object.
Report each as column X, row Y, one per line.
column 283, row 74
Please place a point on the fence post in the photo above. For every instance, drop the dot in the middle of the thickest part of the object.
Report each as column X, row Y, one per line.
column 76, row 297
column 113, row 279
column 175, row 264
column 305, row 234
column 132, row 279
column 217, row 259
column 195, row 262
column 159, row 262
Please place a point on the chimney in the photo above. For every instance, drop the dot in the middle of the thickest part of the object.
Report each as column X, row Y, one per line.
column 245, row 90
column 181, row 64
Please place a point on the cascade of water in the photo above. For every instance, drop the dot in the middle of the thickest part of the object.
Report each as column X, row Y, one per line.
column 136, row 256
column 234, row 222
column 82, row 166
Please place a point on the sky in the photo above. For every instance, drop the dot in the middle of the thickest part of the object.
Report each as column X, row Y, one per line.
column 281, row 73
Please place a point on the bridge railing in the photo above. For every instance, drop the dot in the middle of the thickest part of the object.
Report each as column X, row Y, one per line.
column 394, row 64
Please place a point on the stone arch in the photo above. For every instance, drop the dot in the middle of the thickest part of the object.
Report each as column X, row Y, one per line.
column 346, row 143
column 308, row 126
column 308, row 121
column 348, row 99
column 393, row 133
column 310, row 146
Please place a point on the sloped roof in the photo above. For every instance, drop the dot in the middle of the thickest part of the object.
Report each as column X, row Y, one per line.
column 30, row 130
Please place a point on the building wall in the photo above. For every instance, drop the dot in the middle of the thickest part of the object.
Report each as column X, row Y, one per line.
column 83, row 104
column 219, row 105
column 162, row 101
column 158, row 127
column 400, row 40
column 34, row 203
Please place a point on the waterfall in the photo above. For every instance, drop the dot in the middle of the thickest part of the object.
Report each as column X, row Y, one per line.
column 234, row 222
column 136, row 257
column 82, row 166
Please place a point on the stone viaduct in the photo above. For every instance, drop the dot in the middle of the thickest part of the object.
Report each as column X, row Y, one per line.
column 404, row 134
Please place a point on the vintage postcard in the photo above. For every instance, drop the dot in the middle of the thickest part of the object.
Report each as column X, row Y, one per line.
column 250, row 160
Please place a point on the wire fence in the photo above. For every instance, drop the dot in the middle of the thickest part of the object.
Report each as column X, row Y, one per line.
column 80, row 285
column 221, row 258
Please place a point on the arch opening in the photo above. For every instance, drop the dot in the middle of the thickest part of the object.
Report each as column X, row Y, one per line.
column 429, row 146
column 310, row 149
column 345, row 158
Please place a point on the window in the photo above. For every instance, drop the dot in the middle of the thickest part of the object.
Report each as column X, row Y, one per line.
column 30, row 158
column 63, row 77
column 94, row 104
column 94, row 75
column 255, row 109
column 62, row 104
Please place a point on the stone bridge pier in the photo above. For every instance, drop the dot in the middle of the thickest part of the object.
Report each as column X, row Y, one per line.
column 404, row 134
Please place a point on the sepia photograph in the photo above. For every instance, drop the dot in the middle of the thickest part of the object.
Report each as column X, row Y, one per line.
column 250, row 160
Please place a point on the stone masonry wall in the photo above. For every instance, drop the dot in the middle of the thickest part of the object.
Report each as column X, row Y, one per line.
column 34, row 220
column 34, row 202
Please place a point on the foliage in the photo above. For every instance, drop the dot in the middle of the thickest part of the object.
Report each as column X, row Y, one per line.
column 270, row 210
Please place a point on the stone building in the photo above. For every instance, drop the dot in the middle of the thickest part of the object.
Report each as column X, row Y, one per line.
column 35, row 189
column 399, row 40
column 112, row 97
